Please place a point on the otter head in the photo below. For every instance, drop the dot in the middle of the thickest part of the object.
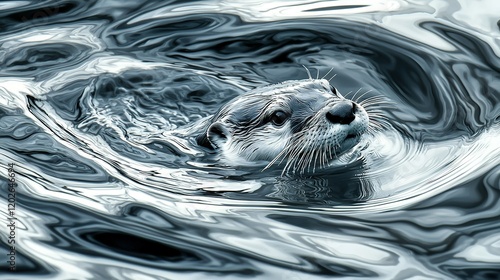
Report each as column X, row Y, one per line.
column 302, row 124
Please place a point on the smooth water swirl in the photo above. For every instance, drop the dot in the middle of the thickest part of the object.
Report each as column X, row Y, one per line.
column 94, row 96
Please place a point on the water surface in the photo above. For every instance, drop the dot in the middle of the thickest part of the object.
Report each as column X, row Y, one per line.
column 90, row 92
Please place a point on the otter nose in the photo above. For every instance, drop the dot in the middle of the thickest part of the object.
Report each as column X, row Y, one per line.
column 342, row 112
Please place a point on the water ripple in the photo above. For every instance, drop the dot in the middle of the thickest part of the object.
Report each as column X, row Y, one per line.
column 98, row 101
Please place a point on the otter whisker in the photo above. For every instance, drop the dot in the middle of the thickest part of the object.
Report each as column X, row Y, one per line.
column 307, row 166
column 319, row 162
column 308, row 73
column 294, row 148
column 384, row 121
column 304, row 161
column 361, row 96
column 297, row 150
column 380, row 124
column 293, row 154
column 375, row 116
column 287, row 165
column 330, row 151
column 376, row 97
column 375, row 124
column 354, row 96
column 324, row 148
column 321, row 155
column 274, row 160
column 376, row 109
column 376, row 112
column 291, row 165
column 332, row 77
column 374, row 128
column 291, row 162
column 310, row 160
column 377, row 105
column 376, row 101
column 379, row 118
column 328, row 154
column 331, row 69
column 335, row 149
column 316, row 154
column 283, row 154
column 378, row 115
column 297, row 144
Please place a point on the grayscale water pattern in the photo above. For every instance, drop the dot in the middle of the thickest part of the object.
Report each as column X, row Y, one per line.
column 90, row 92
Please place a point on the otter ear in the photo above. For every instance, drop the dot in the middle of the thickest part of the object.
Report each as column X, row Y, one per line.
column 217, row 134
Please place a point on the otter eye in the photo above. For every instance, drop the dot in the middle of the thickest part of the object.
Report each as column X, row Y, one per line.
column 278, row 118
column 333, row 89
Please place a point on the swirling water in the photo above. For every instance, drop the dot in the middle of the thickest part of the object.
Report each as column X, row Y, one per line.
column 90, row 92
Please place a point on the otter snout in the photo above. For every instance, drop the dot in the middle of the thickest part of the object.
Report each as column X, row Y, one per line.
column 342, row 112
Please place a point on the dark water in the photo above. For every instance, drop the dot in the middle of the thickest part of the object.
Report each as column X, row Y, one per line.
column 90, row 92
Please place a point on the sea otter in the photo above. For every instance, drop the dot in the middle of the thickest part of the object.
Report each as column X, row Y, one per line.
column 303, row 124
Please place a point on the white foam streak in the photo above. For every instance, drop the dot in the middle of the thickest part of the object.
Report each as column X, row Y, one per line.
column 82, row 34
column 256, row 11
